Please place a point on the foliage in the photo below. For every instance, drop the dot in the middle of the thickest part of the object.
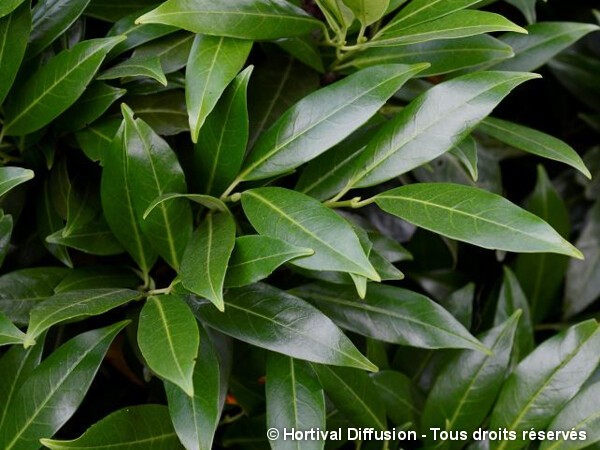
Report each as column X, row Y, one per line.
column 220, row 217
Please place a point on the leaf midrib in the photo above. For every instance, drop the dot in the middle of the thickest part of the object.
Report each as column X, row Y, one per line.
column 164, row 323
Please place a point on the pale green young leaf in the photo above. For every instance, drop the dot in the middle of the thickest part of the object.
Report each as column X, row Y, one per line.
column 368, row 11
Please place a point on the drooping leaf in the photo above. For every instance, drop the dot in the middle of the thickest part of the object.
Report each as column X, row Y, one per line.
column 14, row 34
column 282, row 323
column 136, row 66
column 304, row 222
column 403, row 317
column 169, row 339
column 470, row 378
column 475, row 216
column 221, row 146
column 206, row 257
column 294, row 399
column 212, row 203
column 351, row 391
column 153, row 170
column 323, row 119
column 213, row 63
column 46, row 400
column 466, row 152
column 74, row 304
column 9, row 333
column 545, row 381
column 254, row 19
column 11, row 177
column 196, row 418
column 172, row 50
column 134, row 428
column 55, row 86
column 95, row 238
column 256, row 257
column 432, row 124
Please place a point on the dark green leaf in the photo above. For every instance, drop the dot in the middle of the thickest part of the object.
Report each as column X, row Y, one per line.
column 475, row 216
column 304, row 222
column 256, row 257
column 403, row 317
column 55, row 86
column 136, row 66
column 173, row 51
column 96, row 277
column 169, row 339
column 113, row 10
column 11, row 177
column 9, row 333
column 399, row 396
column 95, row 139
column 282, row 323
column 94, row 238
column 254, row 19
column 205, row 258
column 135, row 428
column 164, row 112
column 46, row 400
column 9, row 6
column 14, row 33
column 6, row 228
column 305, row 50
column 207, row 201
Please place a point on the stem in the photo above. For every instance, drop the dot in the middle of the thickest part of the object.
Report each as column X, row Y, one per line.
column 230, row 189
column 162, row 291
column 352, row 203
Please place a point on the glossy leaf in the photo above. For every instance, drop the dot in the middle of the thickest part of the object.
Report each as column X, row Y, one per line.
column 206, row 257
column 352, row 391
column 533, row 141
column 305, row 50
column 219, row 153
column 432, row 124
column 294, row 399
column 95, row 139
column 399, row 396
column 6, row 229
column 46, row 400
column 169, row 340
column 9, row 333
column 475, row 216
column 164, row 112
column 196, row 418
column 11, row 177
column 421, row 11
column 55, row 86
column 14, row 34
column 153, row 170
column 133, row 428
column 466, row 152
column 282, row 323
column 368, row 12
column 254, row 19
column 172, row 50
column 139, row 66
column 94, row 238
column 9, row 6
column 83, row 205
column 323, row 119
column 72, row 305
column 256, row 257
column 403, row 317
column 470, row 378
column 97, row 277
column 50, row 19
column 305, row 222
column 213, row 63
column 49, row 222
column 545, row 381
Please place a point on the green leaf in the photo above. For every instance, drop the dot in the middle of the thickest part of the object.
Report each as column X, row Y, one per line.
column 6, row 229
column 173, row 51
column 533, row 141
column 136, row 34
column 50, row 19
column 421, row 11
column 305, row 222
column 338, row 15
column 470, row 378
column 466, row 152
column 282, row 323
column 294, row 400
column 351, row 391
column 256, row 257
column 113, row 10
column 399, row 396
column 136, row 66
column 9, row 333
column 153, row 170
column 205, row 259
column 9, row 6
column 583, row 282
column 445, row 56
column 95, row 139
column 169, row 339
column 543, row 41
column 96, row 277
column 133, row 428
column 213, row 63
column 83, row 204
column 305, row 50
column 221, row 146
column 94, row 102
column 458, row 24
column 474, row 216
column 207, row 201
column 55, row 86
column 164, row 112
column 322, row 119
column 432, row 124
column 403, row 317
column 254, row 19
column 368, row 11
column 541, row 275
column 94, row 238
column 47, row 399
column 14, row 33
column 73, row 305
column 21, row 290
column 196, row 418
column 581, row 414
column 11, row 177
column 545, row 381
column 527, row 7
